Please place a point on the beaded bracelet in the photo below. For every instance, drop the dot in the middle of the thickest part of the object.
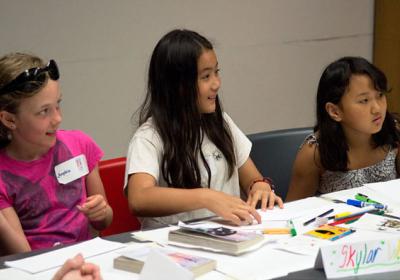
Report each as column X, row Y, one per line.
column 264, row 179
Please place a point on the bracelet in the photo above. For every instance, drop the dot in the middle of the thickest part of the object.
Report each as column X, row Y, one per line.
column 264, row 179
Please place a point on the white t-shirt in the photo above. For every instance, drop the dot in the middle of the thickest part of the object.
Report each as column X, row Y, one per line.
column 145, row 154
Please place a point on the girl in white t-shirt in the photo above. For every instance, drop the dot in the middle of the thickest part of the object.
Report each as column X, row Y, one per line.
column 188, row 159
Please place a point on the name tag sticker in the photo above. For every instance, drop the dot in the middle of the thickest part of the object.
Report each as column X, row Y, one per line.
column 71, row 169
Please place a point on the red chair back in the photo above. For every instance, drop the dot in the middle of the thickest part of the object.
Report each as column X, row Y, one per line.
column 112, row 173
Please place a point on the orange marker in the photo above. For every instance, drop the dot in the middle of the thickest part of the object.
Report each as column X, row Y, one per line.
column 276, row 231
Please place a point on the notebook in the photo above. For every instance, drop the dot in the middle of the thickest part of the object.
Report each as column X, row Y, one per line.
column 225, row 240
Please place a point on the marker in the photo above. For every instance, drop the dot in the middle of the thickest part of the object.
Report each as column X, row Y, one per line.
column 343, row 234
column 365, row 210
column 292, row 229
column 345, row 220
column 365, row 198
column 359, row 203
column 337, row 216
column 276, row 231
column 321, row 215
column 352, row 218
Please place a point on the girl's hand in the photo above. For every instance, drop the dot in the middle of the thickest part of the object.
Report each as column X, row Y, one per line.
column 263, row 191
column 77, row 269
column 230, row 208
column 95, row 208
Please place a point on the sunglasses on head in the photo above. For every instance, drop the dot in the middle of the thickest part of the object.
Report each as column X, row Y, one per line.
column 32, row 79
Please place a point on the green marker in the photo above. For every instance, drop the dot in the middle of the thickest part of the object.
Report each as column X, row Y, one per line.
column 292, row 229
column 365, row 198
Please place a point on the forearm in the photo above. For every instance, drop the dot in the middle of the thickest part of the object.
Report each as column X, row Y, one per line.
column 248, row 173
column 12, row 241
column 161, row 201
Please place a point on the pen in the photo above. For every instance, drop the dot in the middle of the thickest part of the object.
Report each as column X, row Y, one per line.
column 321, row 215
column 276, row 231
column 292, row 229
column 391, row 216
column 365, row 198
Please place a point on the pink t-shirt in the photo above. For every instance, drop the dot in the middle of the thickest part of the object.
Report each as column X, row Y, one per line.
column 46, row 209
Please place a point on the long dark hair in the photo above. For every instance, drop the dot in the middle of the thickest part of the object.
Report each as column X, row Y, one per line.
column 332, row 85
column 171, row 101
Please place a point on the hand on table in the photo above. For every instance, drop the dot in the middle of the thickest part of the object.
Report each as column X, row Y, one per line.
column 231, row 208
column 263, row 191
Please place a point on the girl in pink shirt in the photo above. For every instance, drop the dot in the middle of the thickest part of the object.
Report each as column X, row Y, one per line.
column 50, row 188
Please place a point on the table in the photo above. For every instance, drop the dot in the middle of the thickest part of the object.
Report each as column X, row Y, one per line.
column 303, row 274
column 299, row 275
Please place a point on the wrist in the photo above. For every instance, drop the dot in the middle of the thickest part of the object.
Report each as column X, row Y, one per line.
column 205, row 196
column 265, row 180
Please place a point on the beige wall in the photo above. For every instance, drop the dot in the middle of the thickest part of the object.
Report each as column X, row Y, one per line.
column 271, row 54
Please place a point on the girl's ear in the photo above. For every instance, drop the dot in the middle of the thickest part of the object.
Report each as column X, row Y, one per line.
column 7, row 119
column 333, row 111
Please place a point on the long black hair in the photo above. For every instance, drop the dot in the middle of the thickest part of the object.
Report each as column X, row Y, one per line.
column 172, row 103
column 333, row 83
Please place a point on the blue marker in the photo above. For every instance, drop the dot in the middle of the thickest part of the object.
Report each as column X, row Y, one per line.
column 358, row 203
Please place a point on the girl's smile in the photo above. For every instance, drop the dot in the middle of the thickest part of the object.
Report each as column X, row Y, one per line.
column 209, row 81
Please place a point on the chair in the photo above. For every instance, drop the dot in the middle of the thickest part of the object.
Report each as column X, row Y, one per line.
column 273, row 153
column 112, row 173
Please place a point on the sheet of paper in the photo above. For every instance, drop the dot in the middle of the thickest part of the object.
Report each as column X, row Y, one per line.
column 159, row 236
column 104, row 261
column 301, row 245
column 56, row 258
column 390, row 188
column 388, row 192
column 377, row 223
column 292, row 210
column 12, row 273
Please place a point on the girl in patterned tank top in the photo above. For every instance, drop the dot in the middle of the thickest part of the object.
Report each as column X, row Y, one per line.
column 355, row 139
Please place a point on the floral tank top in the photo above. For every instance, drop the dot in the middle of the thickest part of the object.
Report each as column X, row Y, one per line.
column 331, row 181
